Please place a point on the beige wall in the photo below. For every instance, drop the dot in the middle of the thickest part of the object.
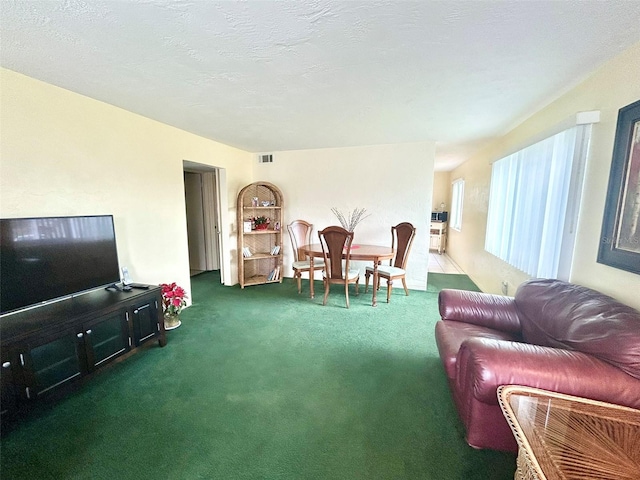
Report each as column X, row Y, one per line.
column 441, row 191
column 393, row 182
column 613, row 86
column 65, row 154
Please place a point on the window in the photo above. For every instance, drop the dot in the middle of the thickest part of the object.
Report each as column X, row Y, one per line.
column 533, row 204
column 457, row 195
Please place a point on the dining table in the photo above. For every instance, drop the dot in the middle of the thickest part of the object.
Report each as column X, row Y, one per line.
column 362, row 252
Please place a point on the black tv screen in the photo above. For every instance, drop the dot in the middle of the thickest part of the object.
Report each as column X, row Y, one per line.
column 43, row 259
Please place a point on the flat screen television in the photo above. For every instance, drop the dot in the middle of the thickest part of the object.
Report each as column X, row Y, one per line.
column 44, row 259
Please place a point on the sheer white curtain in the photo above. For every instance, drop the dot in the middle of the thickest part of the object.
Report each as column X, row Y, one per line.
column 531, row 191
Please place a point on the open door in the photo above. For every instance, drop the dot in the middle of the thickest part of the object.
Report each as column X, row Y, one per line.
column 194, row 202
column 211, row 220
column 203, row 211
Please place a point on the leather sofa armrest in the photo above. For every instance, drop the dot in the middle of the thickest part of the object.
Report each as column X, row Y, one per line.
column 485, row 364
column 484, row 309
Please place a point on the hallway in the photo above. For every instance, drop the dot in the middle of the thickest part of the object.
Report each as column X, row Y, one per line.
column 442, row 264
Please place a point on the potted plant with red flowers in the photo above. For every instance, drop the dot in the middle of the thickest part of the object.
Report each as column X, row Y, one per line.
column 261, row 222
column 173, row 299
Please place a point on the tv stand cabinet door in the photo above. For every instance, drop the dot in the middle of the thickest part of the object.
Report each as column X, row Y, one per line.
column 8, row 401
column 106, row 338
column 52, row 362
column 147, row 321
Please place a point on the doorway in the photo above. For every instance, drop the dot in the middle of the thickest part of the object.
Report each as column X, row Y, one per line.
column 202, row 189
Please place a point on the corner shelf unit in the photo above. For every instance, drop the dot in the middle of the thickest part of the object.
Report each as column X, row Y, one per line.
column 262, row 266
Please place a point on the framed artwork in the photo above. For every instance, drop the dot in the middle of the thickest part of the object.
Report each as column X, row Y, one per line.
column 620, row 237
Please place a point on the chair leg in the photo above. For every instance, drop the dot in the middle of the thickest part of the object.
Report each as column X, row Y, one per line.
column 389, row 287
column 299, row 279
column 366, row 281
column 404, row 284
column 326, row 292
column 357, row 286
column 346, row 292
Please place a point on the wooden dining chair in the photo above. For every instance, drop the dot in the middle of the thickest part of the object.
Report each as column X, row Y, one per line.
column 336, row 242
column 401, row 239
column 300, row 234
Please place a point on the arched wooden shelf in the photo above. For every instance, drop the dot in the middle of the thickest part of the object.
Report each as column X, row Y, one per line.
column 260, row 251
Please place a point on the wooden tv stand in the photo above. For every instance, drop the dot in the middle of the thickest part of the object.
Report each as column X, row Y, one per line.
column 48, row 350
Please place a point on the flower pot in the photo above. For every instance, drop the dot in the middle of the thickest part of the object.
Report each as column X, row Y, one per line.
column 262, row 226
column 171, row 321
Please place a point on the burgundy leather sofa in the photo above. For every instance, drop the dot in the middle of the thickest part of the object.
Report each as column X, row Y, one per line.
column 552, row 335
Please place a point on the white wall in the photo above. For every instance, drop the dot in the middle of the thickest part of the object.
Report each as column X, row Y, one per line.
column 393, row 182
column 613, row 86
column 66, row 154
column 441, row 191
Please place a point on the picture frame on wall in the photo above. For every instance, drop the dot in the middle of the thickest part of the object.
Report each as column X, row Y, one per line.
column 620, row 236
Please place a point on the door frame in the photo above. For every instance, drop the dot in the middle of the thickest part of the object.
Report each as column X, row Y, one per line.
column 217, row 215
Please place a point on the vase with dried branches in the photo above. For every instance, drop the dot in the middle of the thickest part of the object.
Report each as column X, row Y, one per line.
column 352, row 219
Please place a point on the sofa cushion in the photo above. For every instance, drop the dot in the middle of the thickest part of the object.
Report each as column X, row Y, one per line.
column 450, row 335
column 485, row 364
column 558, row 314
column 484, row 309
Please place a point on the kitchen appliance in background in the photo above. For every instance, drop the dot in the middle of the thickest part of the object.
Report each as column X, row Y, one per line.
column 439, row 216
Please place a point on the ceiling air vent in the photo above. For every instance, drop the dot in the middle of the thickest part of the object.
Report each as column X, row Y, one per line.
column 265, row 158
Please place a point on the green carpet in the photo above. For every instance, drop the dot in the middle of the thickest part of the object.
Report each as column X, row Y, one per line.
column 440, row 281
column 263, row 383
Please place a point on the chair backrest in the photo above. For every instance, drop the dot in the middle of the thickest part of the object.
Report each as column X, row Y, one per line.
column 300, row 234
column 335, row 241
column 401, row 239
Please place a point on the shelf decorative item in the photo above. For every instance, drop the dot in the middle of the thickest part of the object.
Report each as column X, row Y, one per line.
column 261, row 222
column 173, row 300
column 352, row 219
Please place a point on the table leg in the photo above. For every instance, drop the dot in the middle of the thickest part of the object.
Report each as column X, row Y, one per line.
column 311, row 276
column 374, row 299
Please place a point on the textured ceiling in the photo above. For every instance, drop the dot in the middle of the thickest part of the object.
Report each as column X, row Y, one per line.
column 266, row 76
